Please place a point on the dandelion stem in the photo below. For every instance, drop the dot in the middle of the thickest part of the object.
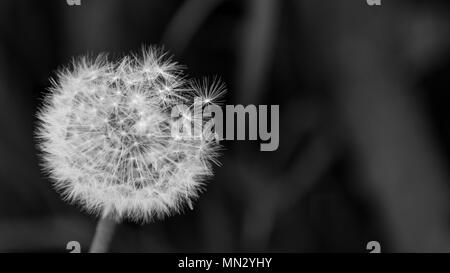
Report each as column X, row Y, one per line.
column 103, row 235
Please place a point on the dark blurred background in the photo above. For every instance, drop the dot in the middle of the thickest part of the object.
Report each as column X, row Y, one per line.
column 364, row 121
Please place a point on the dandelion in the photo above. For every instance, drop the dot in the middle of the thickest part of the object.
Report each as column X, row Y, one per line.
column 107, row 139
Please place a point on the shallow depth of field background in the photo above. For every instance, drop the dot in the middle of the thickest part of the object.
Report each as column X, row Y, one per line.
column 364, row 125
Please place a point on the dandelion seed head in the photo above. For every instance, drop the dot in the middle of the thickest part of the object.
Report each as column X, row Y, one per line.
column 105, row 135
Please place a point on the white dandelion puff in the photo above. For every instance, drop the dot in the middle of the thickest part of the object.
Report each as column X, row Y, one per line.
column 105, row 132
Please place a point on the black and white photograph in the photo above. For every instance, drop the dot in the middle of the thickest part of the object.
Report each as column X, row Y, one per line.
column 229, row 133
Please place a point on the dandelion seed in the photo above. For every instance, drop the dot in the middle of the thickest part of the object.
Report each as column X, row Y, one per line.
column 105, row 136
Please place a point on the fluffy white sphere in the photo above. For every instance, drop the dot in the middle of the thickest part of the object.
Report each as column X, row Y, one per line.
column 105, row 132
